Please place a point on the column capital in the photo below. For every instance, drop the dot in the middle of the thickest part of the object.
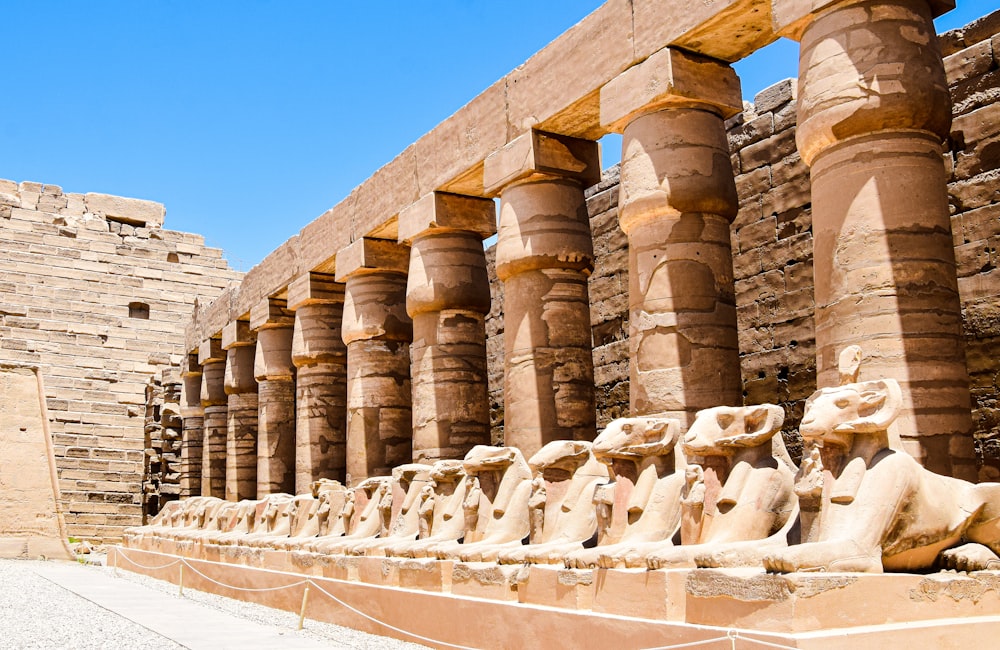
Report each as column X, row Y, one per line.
column 314, row 288
column 541, row 154
column 238, row 333
column 670, row 78
column 442, row 211
column 790, row 17
column 211, row 350
column 368, row 255
column 271, row 313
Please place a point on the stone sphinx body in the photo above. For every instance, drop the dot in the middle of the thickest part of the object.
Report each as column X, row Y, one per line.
column 408, row 484
column 738, row 502
column 561, row 508
column 642, row 504
column 871, row 508
column 375, row 501
column 495, row 505
column 445, row 521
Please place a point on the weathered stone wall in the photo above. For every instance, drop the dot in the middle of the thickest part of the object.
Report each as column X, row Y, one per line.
column 161, row 477
column 95, row 293
column 772, row 250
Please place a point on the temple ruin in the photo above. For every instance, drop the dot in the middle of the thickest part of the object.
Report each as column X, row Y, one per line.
column 708, row 392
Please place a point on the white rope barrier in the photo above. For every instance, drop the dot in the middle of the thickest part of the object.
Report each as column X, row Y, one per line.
column 731, row 635
column 692, row 644
column 387, row 625
column 120, row 551
column 249, row 589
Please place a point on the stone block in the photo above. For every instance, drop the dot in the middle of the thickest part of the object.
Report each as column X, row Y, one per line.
column 640, row 593
column 669, row 77
column 768, row 151
column 542, row 153
column 485, row 580
column 372, row 254
column 424, row 574
column 553, row 586
column 751, row 131
column 314, row 288
column 776, row 95
column 444, row 211
column 971, row 62
column 450, row 157
column 727, row 30
column 557, row 89
column 133, row 211
column 271, row 312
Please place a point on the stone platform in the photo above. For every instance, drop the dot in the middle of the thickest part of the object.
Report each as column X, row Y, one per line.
column 483, row 605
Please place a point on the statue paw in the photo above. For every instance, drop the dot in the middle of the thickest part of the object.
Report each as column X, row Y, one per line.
column 970, row 557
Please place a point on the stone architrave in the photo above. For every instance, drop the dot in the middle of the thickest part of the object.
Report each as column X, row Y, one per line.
column 544, row 256
column 873, row 110
column 212, row 359
column 377, row 331
column 678, row 198
column 193, row 427
column 275, row 376
column 241, row 422
column 448, row 297
column 320, row 359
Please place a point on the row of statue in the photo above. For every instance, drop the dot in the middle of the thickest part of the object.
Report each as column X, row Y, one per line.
column 725, row 494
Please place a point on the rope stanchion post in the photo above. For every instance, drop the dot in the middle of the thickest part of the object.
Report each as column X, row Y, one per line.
column 114, row 557
column 180, row 582
column 305, row 600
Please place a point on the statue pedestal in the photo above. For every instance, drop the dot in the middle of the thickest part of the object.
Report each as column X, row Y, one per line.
column 485, row 605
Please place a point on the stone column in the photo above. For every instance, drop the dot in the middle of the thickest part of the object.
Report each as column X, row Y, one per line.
column 678, row 198
column 192, row 427
column 241, row 424
column 544, row 257
column 275, row 376
column 448, row 297
column 212, row 359
column 377, row 332
column 873, row 111
column 320, row 359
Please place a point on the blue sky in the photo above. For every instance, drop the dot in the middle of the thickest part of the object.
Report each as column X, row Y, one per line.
column 248, row 119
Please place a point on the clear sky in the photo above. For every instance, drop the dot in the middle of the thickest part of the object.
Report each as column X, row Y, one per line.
column 250, row 118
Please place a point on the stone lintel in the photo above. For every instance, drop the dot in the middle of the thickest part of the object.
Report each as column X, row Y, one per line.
column 237, row 333
column 790, row 17
column 670, row 77
column 445, row 211
column 137, row 212
column 211, row 350
column 271, row 312
column 550, row 154
column 313, row 288
column 367, row 254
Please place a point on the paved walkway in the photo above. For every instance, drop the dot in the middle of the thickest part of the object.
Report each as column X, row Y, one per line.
column 38, row 609
column 186, row 622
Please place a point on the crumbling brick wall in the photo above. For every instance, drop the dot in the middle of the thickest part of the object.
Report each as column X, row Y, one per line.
column 161, row 477
column 96, row 293
column 772, row 251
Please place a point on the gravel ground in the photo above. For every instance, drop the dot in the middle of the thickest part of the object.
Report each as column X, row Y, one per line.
column 35, row 613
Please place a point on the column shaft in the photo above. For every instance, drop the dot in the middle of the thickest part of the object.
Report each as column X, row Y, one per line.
column 276, row 411
column 320, row 357
column 215, row 402
column 873, row 110
column 377, row 332
column 241, row 430
column 448, row 297
column 677, row 199
column 192, row 430
column 544, row 257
